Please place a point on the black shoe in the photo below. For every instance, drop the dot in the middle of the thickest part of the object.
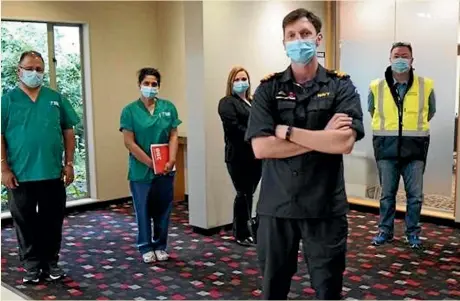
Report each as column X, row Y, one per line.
column 32, row 276
column 53, row 272
column 248, row 242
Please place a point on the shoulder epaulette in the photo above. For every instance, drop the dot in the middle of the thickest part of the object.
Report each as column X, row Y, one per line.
column 338, row 74
column 269, row 77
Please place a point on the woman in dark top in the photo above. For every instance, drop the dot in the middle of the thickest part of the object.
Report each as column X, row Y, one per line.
column 244, row 169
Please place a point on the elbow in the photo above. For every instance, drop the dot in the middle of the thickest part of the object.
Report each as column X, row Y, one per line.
column 258, row 152
column 348, row 149
column 259, row 149
column 128, row 145
column 348, row 145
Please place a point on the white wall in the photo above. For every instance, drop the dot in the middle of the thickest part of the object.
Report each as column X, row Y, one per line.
column 233, row 33
column 171, row 41
column 368, row 30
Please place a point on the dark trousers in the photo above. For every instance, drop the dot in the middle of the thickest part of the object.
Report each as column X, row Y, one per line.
column 39, row 231
column 153, row 202
column 245, row 178
column 390, row 171
column 324, row 248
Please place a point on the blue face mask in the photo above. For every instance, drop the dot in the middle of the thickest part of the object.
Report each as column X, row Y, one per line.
column 400, row 65
column 149, row 92
column 31, row 79
column 240, row 86
column 301, row 51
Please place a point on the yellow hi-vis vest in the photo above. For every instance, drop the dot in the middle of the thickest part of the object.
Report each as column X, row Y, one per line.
column 385, row 120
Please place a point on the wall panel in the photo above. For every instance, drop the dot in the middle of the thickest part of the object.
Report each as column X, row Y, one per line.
column 368, row 30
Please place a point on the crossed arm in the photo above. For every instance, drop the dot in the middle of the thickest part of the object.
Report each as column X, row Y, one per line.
column 342, row 131
column 336, row 138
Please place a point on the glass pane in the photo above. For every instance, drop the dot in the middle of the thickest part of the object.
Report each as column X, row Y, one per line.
column 386, row 22
column 370, row 42
column 69, row 84
column 440, row 22
column 18, row 37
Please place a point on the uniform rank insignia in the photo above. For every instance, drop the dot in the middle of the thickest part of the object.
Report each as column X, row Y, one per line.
column 338, row 74
column 324, row 94
column 281, row 95
column 267, row 77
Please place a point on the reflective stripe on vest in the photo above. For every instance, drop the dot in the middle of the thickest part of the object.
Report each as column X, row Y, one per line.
column 415, row 111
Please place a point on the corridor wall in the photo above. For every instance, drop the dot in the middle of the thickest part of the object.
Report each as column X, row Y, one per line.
column 218, row 36
column 367, row 31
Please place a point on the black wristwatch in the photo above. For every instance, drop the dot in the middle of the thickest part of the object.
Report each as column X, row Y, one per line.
column 288, row 133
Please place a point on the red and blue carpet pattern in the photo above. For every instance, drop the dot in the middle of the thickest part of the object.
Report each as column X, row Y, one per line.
column 100, row 257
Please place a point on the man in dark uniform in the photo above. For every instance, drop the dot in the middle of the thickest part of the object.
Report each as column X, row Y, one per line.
column 302, row 121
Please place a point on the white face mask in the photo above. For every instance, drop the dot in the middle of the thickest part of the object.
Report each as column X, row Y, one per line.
column 31, row 79
column 149, row 92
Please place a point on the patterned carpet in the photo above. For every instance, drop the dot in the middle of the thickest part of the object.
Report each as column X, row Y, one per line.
column 102, row 263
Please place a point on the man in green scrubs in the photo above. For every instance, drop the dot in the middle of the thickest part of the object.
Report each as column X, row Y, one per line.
column 146, row 121
column 38, row 145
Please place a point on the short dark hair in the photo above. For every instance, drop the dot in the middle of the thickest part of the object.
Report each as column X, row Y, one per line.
column 141, row 74
column 302, row 13
column 401, row 44
column 30, row 53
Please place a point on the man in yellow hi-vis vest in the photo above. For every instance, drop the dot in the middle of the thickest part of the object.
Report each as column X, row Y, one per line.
column 401, row 105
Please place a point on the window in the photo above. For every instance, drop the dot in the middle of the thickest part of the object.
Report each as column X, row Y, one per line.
column 61, row 47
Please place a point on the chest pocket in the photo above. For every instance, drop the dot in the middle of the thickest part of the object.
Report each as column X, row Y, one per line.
column 286, row 111
column 319, row 111
column 411, row 103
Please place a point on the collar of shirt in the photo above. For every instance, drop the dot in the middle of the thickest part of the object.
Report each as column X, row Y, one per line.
column 245, row 100
column 396, row 83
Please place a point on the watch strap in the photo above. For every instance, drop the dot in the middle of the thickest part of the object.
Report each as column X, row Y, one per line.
column 288, row 133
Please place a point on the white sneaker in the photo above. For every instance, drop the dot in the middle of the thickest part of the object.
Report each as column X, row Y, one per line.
column 161, row 255
column 149, row 257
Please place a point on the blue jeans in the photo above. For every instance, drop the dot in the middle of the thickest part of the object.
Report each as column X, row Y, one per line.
column 153, row 201
column 412, row 173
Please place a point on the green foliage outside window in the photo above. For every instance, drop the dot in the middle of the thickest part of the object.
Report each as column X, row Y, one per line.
column 18, row 37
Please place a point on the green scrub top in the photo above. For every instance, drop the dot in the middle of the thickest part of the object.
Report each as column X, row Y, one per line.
column 148, row 129
column 33, row 133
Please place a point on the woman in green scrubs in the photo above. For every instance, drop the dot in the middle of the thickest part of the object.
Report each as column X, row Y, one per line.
column 146, row 121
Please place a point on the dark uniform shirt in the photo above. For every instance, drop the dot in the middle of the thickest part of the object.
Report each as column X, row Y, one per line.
column 309, row 185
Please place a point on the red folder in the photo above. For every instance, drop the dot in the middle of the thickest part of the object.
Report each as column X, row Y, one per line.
column 160, row 156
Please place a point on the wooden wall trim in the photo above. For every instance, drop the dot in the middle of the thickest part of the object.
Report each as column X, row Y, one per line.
column 337, row 37
column 332, row 34
column 329, row 35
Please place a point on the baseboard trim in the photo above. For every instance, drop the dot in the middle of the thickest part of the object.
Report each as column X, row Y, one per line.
column 401, row 214
column 97, row 205
column 212, row 231
column 16, row 291
column 80, row 208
